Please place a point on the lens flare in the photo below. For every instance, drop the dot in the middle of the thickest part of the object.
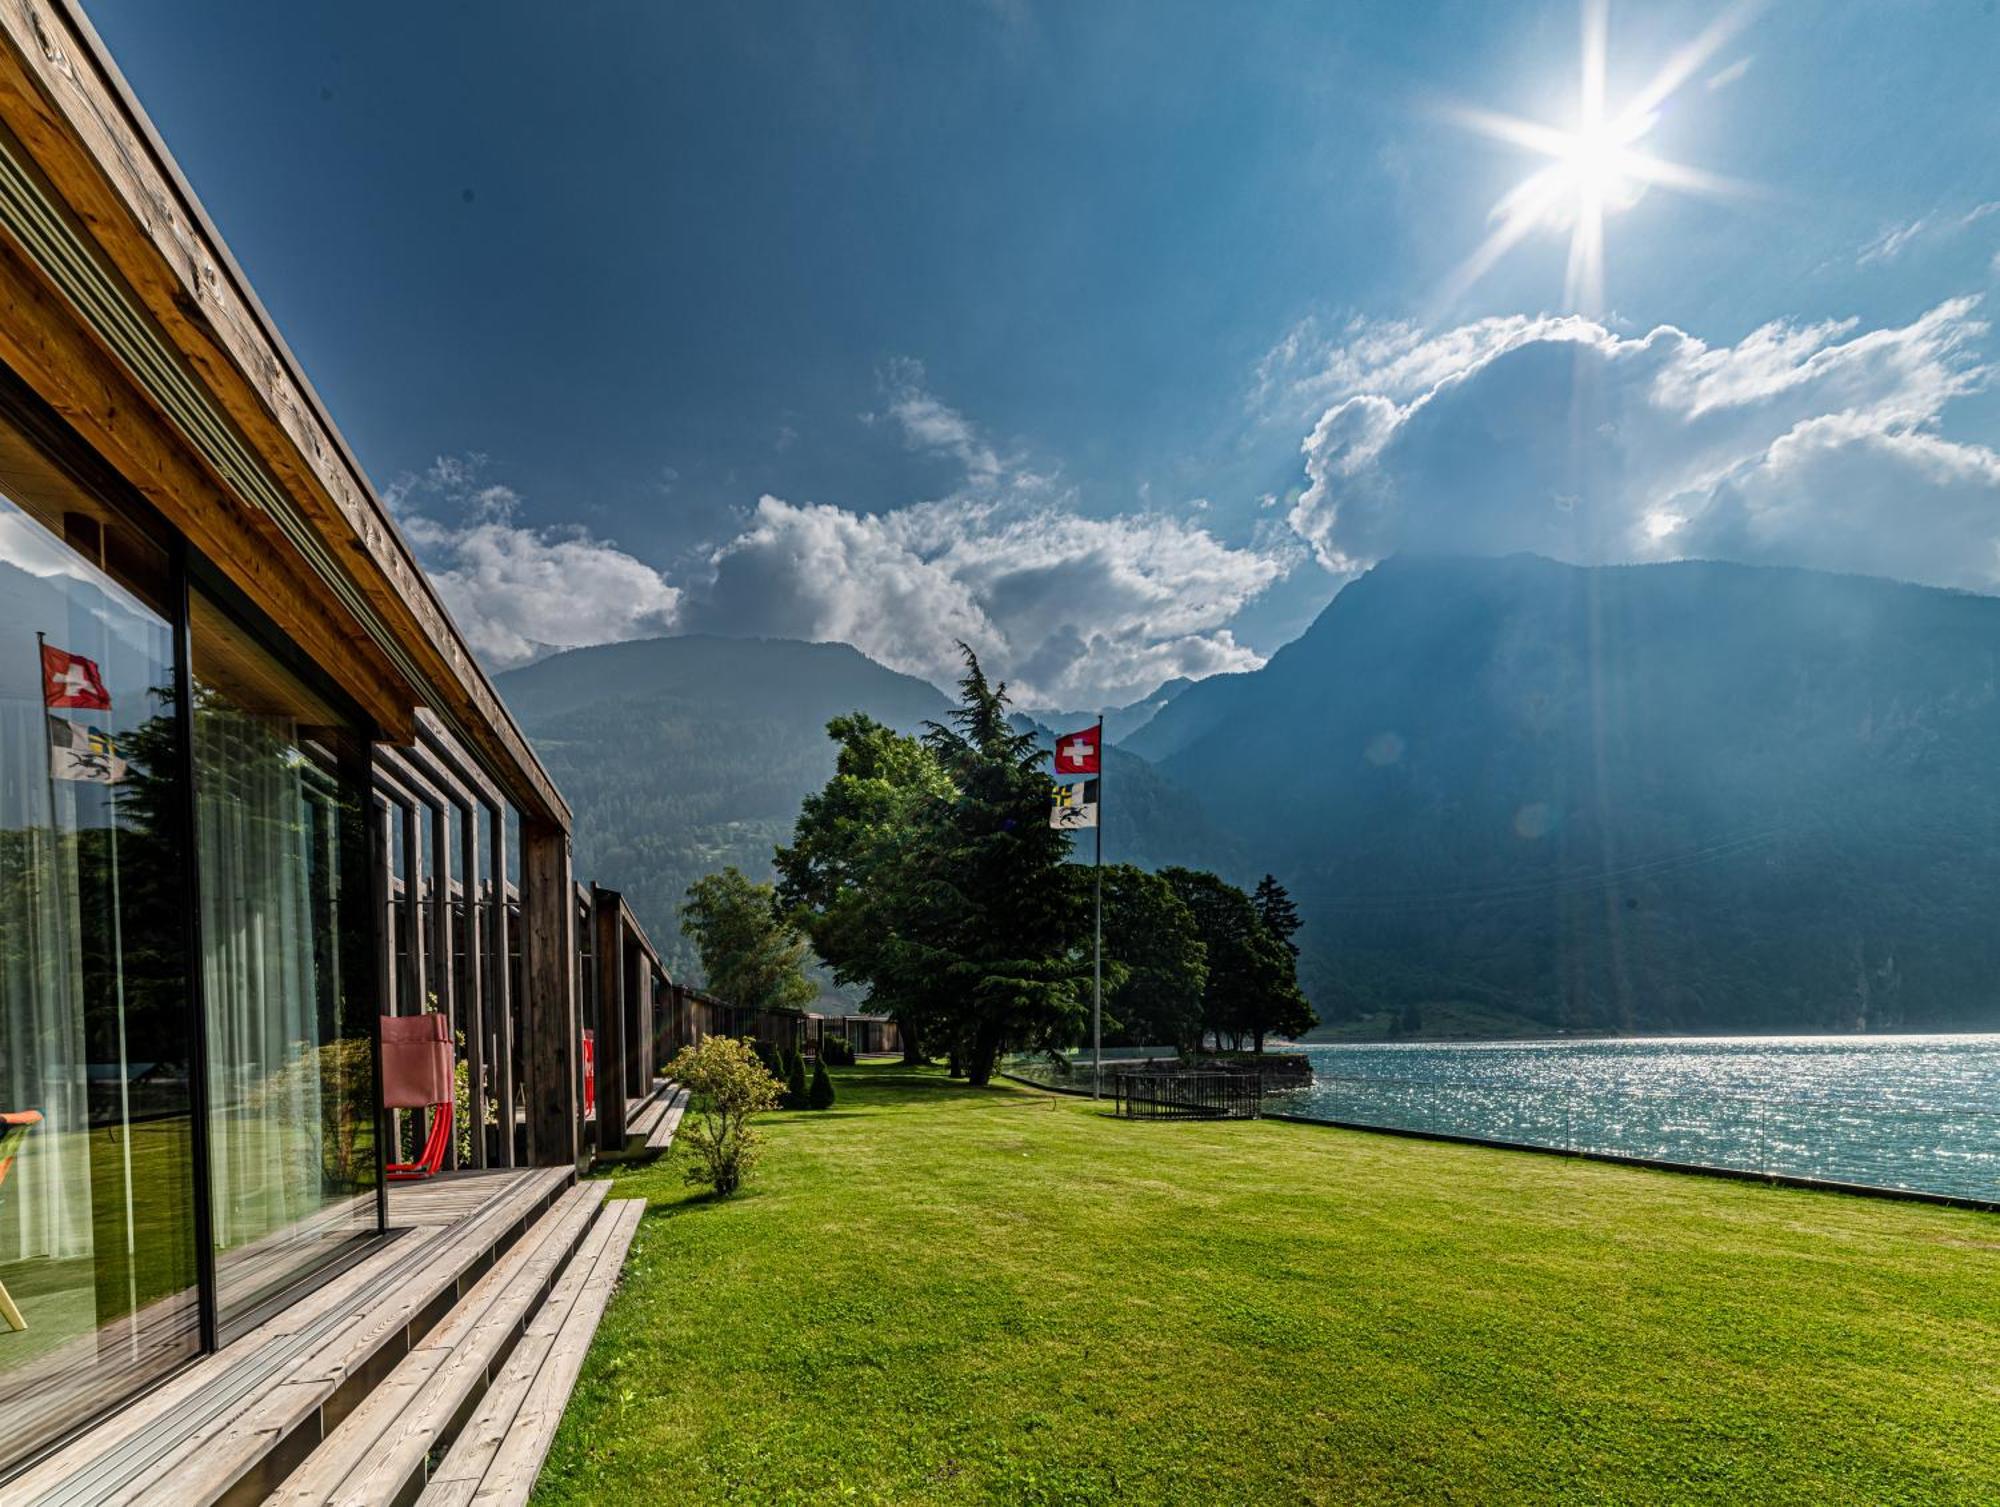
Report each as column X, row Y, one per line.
column 1597, row 166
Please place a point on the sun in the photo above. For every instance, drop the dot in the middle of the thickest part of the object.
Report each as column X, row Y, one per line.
column 1596, row 166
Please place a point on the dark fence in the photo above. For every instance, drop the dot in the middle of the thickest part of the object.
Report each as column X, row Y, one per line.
column 1187, row 1096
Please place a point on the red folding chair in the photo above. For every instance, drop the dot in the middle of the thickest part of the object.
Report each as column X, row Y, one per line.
column 14, row 1127
column 589, row 1075
column 416, row 1074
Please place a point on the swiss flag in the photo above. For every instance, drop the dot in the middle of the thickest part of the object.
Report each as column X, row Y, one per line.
column 1077, row 753
column 71, row 680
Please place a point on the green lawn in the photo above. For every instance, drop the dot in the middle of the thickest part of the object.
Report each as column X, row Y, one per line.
column 939, row 1294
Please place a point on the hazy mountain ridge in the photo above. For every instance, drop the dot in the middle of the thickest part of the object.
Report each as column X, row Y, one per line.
column 1120, row 722
column 1668, row 797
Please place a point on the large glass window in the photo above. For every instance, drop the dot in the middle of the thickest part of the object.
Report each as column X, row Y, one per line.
column 281, row 851
column 97, row 1203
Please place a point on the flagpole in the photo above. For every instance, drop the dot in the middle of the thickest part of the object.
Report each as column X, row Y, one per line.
column 1097, row 951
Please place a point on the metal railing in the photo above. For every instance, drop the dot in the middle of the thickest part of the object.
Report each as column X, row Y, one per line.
column 1186, row 1096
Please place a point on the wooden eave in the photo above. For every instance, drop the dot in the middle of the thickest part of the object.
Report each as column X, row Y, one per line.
column 122, row 307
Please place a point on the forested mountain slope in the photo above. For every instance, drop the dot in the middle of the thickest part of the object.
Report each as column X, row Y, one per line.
column 681, row 755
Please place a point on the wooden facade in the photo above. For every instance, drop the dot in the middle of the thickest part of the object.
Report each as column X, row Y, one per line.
column 127, row 327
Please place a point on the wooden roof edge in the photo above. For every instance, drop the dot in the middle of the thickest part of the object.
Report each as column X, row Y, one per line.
column 628, row 920
column 122, row 184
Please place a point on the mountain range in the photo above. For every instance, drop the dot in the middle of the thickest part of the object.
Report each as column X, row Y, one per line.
column 1509, row 796
column 681, row 755
column 1682, row 797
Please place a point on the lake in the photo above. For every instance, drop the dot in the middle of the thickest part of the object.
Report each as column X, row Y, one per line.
column 1896, row 1111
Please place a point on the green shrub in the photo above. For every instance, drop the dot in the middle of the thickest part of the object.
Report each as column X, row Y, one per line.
column 837, row 1051
column 726, row 1086
column 795, row 1083
column 820, row 1096
column 771, row 1057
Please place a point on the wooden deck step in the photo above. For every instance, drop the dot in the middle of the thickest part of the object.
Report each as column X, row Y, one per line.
column 498, row 1456
column 234, row 1423
column 641, row 1129
column 636, row 1107
column 662, row 1134
column 377, row 1454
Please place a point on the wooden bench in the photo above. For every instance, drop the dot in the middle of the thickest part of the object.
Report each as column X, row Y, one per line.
column 499, row 1454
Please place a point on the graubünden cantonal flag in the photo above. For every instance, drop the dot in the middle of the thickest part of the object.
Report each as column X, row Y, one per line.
column 70, row 680
column 1077, row 753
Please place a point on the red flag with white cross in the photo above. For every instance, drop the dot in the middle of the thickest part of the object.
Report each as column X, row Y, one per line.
column 70, row 680
column 1078, row 753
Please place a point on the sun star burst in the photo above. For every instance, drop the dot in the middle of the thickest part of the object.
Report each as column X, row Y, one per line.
column 1596, row 167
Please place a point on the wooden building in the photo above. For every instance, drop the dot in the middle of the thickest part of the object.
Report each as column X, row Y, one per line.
column 255, row 794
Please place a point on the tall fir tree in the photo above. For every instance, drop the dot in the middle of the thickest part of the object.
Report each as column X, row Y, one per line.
column 1276, row 910
column 999, row 923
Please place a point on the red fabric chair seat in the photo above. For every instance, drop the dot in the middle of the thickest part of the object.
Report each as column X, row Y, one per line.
column 417, row 1071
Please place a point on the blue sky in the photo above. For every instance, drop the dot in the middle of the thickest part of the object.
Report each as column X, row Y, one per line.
column 1111, row 337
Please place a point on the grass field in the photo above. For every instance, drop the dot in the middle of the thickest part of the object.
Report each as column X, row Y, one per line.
column 940, row 1294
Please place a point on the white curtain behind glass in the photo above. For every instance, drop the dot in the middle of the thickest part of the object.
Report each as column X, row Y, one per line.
column 45, row 1208
column 254, row 833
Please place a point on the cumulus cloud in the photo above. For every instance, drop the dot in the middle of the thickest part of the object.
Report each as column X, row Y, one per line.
column 1069, row 609
column 515, row 592
column 1809, row 443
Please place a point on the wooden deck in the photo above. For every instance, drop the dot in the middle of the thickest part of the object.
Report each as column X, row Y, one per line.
column 487, row 1294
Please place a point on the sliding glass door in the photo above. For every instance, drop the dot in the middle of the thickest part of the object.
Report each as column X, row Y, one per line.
column 98, row 1211
column 187, row 951
column 285, row 956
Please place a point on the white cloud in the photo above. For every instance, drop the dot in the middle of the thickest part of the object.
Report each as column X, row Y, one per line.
column 929, row 424
column 1896, row 239
column 1815, row 444
column 1893, row 241
column 1070, row 610
column 515, row 592
column 1722, row 78
column 1392, row 358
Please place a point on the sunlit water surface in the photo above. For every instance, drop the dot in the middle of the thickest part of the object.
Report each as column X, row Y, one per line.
column 1895, row 1111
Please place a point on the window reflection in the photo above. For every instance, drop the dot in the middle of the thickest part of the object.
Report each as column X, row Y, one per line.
column 97, row 1239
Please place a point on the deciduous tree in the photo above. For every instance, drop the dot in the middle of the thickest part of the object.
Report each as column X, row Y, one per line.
column 751, row 955
column 726, row 1086
column 1252, row 988
column 1154, row 947
column 849, row 874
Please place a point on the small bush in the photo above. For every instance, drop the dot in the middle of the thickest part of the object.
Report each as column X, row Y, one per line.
column 795, row 1083
column 726, row 1086
column 836, row 1051
column 771, row 1057
column 820, row 1096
